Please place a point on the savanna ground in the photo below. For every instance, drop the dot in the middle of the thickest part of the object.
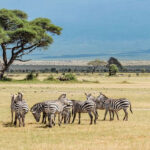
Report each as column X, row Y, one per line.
column 106, row 135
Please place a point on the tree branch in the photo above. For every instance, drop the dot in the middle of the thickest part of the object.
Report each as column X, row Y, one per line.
column 23, row 60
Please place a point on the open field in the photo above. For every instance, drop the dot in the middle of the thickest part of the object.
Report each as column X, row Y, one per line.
column 106, row 135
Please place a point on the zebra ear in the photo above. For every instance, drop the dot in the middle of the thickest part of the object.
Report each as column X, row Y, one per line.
column 85, row 94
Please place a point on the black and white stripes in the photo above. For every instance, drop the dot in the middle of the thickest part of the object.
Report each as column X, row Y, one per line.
column 62, row 107
column 115, row 105
column 20, row 107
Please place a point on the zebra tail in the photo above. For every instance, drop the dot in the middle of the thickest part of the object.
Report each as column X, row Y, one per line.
column 131, row 108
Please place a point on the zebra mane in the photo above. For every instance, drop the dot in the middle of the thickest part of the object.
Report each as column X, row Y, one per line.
column 103, row 95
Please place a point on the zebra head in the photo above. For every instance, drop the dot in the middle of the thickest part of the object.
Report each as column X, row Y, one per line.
column 13, row 97
column 63, row 99
column 36, row 111
column 101, row 97
column 100, row 101
column 20, row 96
column 90, row 97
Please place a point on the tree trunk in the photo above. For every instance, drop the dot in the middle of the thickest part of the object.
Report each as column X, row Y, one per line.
column 2, row 72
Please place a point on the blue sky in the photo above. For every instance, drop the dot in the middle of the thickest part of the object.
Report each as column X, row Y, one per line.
column 100, row 28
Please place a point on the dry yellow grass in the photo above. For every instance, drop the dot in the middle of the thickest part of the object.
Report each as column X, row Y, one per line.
column 105, row 135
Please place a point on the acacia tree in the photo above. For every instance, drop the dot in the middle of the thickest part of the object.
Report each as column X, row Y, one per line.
column 96, row 63
column 19, row 37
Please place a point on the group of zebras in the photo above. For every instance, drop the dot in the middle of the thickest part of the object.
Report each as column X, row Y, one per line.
column 66, row 108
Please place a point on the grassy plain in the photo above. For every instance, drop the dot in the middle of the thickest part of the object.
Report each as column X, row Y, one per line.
column 105, row 135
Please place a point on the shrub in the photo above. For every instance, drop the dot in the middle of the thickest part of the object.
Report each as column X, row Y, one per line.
column 67, row 77
column 30, row 76
column 113, row 69
column 6, row 79
column 50, row 78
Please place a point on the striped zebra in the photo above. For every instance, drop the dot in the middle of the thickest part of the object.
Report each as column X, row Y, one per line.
column 87, row 106
column 55, row 107
column 66, row 113
column 36, row 110
column 14, row 98
column 12, row 106
column 51, row 108
column 99, row 105
column 115, row 105
column 21, row 108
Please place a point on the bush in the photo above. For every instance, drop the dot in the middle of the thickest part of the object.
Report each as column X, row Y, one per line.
column 113, row 69
column 30, row 76
column 50, row 78
column 67, row 77
column 6, row 79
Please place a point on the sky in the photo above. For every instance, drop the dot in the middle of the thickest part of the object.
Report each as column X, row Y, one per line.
column 92, row 28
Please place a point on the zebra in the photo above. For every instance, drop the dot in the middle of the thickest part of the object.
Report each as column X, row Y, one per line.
column 12, row 106
column 14, row 98
column 51, row 108
column 87, row 106
column 36, row 110
column 55, row 107
column 115, row 105
column 21, row 108
column 99, row 105
column 66, row 113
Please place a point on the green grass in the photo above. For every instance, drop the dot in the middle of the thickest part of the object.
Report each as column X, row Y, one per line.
column 131, row 135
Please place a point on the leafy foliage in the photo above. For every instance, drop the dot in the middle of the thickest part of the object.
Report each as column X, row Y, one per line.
column 115, row 61
column 50, row 78
column 30, row 76
column 96, row 63
column 67, row 77
column 19, row 36
column 113, row 69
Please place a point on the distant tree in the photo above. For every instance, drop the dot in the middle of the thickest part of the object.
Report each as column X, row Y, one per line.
column 113, row 69
column 115, row 61
column 19, row 36
column 96, row 63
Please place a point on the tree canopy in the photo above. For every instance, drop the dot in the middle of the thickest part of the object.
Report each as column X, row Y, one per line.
column 115, row 61
column 19, row 36
column 96, row 63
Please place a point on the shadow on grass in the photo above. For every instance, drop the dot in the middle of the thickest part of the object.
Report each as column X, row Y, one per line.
column 8, row 124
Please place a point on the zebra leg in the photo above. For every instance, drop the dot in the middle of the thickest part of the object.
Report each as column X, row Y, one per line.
column 19, row 118
column 44, row 118
column 117, row 115
column 74, row 116
column 113, row 115
column 15, row 122
column 50, row 120
column 91, row 117
column 23, row 120
column 105, row 114
column 11, row 116
column 62, row 118
column 59, row 121
column 95, row 114
column 53, row 121
column 110, row 115
column 125, row 111
column 69, row 117
column 79, row 118
column 126, row 115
